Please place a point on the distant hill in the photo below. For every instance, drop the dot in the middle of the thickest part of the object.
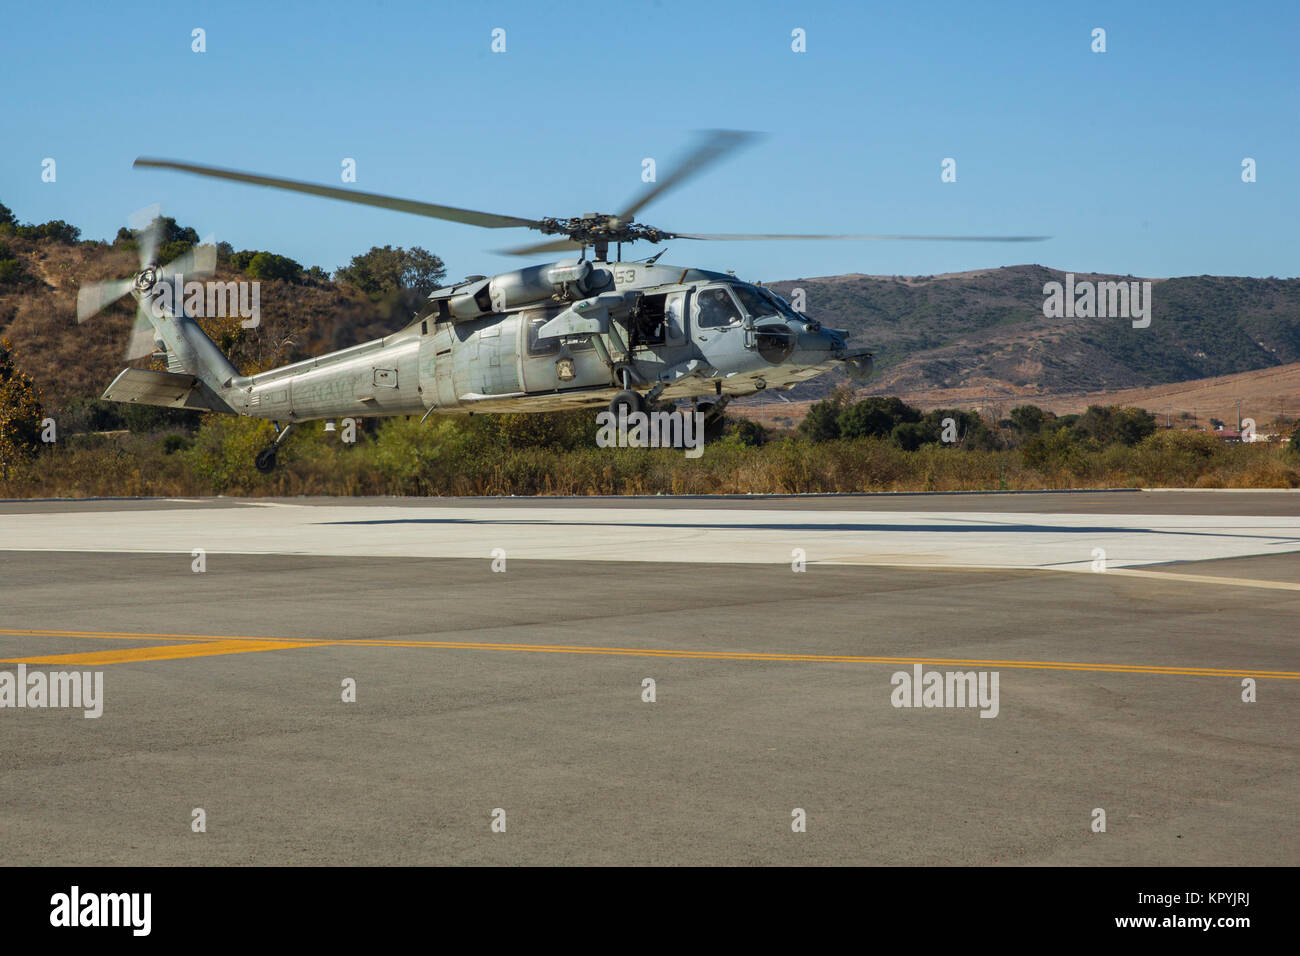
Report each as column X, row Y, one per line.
column 1271, row 397
column 986, row 331
column 980, row 332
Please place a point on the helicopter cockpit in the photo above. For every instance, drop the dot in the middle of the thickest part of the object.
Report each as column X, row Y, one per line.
column 766, row 316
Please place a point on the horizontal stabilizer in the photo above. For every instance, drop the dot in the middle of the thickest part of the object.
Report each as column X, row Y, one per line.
column 143, row 386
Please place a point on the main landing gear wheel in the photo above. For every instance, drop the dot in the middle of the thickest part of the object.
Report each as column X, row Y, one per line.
column 628, row 399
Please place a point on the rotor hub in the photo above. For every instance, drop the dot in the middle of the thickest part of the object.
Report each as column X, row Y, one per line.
column 146, row 279
column 593, row 227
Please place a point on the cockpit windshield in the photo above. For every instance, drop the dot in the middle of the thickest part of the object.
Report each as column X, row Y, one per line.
column 781, row 305
column 755, row 304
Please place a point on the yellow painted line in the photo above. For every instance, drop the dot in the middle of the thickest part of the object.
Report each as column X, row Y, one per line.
column 166, row 652
column 1128, row 572
column 131, row 635
column 831, row 658
column 1205, row 579
column 233, row 645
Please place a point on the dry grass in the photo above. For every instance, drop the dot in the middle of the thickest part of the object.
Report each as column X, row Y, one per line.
column 446, row 458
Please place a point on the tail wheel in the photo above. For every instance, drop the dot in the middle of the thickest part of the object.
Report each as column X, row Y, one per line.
column 265, row 461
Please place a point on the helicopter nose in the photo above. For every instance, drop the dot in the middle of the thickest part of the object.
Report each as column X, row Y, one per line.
column 820, row 340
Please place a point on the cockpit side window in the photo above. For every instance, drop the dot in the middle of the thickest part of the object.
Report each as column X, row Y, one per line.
column 715, row 309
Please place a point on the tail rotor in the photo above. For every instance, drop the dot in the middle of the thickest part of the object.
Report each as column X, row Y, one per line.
column 199, row 262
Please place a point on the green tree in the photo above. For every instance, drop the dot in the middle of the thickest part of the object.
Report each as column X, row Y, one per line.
column 876, row 417
column 910, row 436
column 1052, row 449
column 1028, row 419
column 20, row 412
column 822, row 421
column 386, row 270
column 55, row 229
column 1114, row 425
column 268, row 266
column 972, row 432
column 173, row 239
column 743, row 431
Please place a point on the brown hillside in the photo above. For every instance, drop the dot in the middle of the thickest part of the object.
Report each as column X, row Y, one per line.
column 1269, row 396
column 69, row 361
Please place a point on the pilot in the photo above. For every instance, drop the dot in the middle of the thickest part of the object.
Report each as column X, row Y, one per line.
column 716, row 309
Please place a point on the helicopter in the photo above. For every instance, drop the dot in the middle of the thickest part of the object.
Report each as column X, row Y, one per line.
column 569, row 334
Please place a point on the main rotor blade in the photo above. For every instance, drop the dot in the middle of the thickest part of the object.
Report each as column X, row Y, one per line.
column 552, row 245
column 715, row 145
column 468, row 216
column 749, row 235
column 199, row 263
column 93, row 297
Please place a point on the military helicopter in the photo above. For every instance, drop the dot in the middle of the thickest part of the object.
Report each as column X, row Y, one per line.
column 575, row 333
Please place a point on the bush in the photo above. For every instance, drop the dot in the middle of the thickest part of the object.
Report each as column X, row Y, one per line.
column 910, row 436
column 743, row 431
column 268, row 266
column 1113, row 424
column 876, row 417
column 96, row 415
column 173, row 443
column 822, row 423
column 55, row 229
column 20, row 413
column 221, row 457
column 12, row 272
column 1028, row 419
column 1176, row 457
column 1054, row 450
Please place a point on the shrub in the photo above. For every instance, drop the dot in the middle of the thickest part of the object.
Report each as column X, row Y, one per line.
column 876, row 417
column 1176, row 457
column 20, row 413
column 268, row 266
column 174, row 443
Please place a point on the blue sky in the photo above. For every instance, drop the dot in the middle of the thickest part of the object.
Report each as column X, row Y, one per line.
column 1130, row 159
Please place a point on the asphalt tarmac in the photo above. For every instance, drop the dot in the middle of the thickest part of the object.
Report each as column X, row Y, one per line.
column 520, row 695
